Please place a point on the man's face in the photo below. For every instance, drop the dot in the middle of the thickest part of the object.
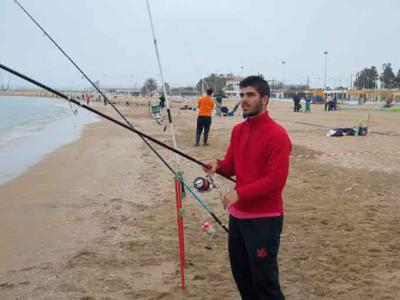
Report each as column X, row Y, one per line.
column 252, row 104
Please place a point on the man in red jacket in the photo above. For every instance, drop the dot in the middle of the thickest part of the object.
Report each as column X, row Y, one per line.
column 258, row 155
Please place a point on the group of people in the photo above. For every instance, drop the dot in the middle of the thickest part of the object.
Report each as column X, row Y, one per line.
column 87, row 98
column 297, row 103
column 331, row 103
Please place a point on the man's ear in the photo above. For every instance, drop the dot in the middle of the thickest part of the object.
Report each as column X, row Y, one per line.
column 265, row 99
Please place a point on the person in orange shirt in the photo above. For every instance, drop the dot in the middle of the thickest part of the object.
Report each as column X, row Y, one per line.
column 205, row 105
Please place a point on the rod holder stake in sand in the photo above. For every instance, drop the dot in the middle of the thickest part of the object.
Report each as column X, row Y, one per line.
column 179, row 220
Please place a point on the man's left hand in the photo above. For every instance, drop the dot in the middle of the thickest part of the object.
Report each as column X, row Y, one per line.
column 230, row 198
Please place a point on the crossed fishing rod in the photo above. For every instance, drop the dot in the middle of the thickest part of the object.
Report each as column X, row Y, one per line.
column 145, row 137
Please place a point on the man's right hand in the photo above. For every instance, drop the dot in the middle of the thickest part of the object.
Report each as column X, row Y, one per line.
column 210, row 166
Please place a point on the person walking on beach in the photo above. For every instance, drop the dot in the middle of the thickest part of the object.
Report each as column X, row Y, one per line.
column 218, row 101
column 308, row 104
column 88, row 96
column 334, row 102
column 205, row 105
column 296, row 103
column 162, row 101
column 258, row 155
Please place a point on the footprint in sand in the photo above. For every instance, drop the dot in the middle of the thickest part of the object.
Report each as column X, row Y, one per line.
column 117, row 206
column 6, row 286
column 116, row 200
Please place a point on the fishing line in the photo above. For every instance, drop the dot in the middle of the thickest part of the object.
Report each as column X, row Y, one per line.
column 162, row 79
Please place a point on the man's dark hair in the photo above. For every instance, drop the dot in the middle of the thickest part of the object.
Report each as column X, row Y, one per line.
column 209, row 92
column 258, row 83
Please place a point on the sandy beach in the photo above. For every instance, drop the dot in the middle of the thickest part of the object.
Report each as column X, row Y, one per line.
column 96, row 219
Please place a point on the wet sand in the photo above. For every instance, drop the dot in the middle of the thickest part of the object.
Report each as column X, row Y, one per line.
column 96, row 219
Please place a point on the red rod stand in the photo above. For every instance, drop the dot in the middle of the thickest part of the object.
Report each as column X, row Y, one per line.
column 179, row 220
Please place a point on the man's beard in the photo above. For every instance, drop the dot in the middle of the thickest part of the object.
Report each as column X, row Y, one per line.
column 257, row 110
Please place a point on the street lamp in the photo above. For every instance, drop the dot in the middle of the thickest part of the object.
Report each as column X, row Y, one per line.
column 326, row 67
column 283, row 75
column 131, row 81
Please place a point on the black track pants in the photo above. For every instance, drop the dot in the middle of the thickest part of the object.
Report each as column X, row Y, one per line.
column 203, row 122
column 253, row 254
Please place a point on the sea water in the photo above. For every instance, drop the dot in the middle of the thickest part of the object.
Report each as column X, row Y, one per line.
column 31, row 127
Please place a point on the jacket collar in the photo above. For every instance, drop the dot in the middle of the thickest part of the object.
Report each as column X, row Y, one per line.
column 259, row 120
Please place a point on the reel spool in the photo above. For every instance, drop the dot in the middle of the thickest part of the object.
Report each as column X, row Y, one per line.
column 203, row 184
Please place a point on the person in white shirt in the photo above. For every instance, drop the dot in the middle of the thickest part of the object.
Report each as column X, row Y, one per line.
column 328, row 102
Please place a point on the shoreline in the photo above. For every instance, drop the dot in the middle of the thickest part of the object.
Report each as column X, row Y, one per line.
column 32, row 139
column 18, row 202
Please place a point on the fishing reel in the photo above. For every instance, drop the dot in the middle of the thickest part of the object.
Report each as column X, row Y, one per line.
column 204, row 184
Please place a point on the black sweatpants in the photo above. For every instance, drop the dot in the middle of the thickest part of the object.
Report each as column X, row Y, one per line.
column 253, row 254
column 203, row 122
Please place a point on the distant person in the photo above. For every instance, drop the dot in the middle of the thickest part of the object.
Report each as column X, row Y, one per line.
column 334, row 102
column 162, row 101
column 218, row 101
column 328, row 102
column 296, row 103
column 205, row 105
column 99, row 97
column 88, row 99
column 308, row 104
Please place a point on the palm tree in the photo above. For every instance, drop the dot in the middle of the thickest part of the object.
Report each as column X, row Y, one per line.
column 149, row 86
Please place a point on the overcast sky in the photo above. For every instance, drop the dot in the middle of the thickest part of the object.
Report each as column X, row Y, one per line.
column 112, row 41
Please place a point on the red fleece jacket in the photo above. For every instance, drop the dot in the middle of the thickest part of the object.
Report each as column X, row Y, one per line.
column 258, row 155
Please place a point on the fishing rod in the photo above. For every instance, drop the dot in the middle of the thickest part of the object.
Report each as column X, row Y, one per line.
column 123, row 117
column 205, row 206
column 92, row 83
column 143, row 135
column 105, row 116
column 110, row 102
column 71, row 60
column 171, row 125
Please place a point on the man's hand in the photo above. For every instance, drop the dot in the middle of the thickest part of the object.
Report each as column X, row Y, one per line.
column 210, row 166
column 229, row 199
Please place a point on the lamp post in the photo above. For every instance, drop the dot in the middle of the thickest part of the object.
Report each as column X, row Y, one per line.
column 283, row 75
column 326, row 67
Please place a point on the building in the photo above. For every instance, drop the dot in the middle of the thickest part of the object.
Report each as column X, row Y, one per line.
column 231, row 88
column 340, row 94
column 184, row 92
column 374, row 95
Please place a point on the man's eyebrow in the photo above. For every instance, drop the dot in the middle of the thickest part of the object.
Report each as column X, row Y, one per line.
column 247, row 93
